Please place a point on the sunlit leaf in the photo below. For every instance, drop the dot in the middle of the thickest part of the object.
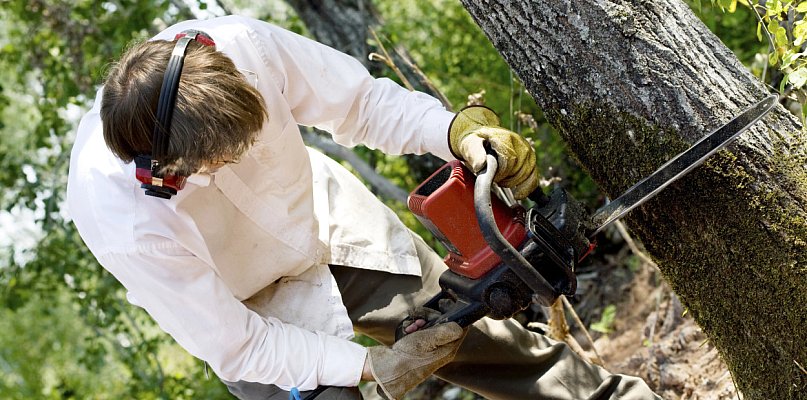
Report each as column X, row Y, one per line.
column 798, row 77
column 799, row 32
column 774, row 8
column 779, row 34
column 606, row 322
column 790, row 56
column 759, row 31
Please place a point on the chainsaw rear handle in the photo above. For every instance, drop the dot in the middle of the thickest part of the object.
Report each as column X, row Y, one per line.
column 461, row 312
column 493, row 236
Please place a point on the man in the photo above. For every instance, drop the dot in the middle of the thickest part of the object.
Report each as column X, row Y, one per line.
column 270, row 257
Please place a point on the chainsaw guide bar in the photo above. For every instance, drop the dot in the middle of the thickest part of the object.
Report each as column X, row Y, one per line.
column 680, row 165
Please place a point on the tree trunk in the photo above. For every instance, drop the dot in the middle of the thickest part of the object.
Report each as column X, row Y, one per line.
column 631, row 83
column 341, row 24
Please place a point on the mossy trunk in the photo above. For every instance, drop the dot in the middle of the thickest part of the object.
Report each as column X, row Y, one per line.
column 631, row 83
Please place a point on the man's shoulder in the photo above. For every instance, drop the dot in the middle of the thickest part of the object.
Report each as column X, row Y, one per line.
column 99, row 189
column 225, row 27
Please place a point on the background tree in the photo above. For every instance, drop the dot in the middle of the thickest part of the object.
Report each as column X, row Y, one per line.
column 642, row 80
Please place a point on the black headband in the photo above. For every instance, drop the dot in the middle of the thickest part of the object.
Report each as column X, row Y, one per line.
column 148, row 166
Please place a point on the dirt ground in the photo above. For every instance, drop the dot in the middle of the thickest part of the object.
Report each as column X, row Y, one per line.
column 652, row 340
column 651, row 336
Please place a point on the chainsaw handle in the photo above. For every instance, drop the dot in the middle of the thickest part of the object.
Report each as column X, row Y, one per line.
column 493, row 236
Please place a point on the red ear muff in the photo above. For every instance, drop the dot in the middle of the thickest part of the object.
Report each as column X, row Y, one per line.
column 200, row 37
column 148, row 166
column 164, row 187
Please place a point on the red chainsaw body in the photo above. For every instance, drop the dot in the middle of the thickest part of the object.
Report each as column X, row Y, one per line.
column 444, row 203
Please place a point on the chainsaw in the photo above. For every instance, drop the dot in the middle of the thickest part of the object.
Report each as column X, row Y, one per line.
column 501, row 259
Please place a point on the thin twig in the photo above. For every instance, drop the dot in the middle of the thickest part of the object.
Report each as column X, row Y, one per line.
column 800, row 367
column 425, row 83
column 386, row 59
column 599, row 360
column 559, row 330
column 767, row 35
column 632, row 244
column 424, row 80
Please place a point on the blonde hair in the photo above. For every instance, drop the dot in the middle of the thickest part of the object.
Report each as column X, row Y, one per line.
column 218, row 113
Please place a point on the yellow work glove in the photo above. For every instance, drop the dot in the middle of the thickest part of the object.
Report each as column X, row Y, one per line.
column 475, row 125
column 414, row 358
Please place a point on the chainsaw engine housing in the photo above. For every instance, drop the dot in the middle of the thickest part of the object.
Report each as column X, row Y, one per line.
column 478, row 283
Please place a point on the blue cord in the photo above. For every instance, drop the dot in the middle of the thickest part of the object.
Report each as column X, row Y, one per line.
column 294, row 394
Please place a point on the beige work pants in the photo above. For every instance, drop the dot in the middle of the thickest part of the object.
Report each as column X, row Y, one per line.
column 497, row 359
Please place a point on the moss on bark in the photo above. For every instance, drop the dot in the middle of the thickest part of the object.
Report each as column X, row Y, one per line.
column 719, row 227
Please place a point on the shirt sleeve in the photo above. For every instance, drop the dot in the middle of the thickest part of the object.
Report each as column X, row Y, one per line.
column 189, row 301
column 334, row 92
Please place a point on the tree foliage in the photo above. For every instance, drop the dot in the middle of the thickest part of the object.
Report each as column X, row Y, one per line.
column 781, row 25
column 67, row 330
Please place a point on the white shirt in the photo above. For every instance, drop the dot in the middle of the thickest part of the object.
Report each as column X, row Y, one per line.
column 234, row 267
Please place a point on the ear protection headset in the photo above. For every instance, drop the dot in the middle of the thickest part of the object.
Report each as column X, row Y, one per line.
column 147, row 166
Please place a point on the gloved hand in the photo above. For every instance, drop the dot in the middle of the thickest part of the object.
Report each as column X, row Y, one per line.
column 413, row 358
column 475, row 125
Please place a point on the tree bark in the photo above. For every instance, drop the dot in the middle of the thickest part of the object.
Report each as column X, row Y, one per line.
column 629, row 84
column 341, row 24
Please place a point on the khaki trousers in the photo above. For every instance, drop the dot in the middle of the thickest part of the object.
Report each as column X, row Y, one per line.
column 497, row 359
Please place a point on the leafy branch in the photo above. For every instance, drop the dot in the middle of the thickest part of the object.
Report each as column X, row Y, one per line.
column 782, row 23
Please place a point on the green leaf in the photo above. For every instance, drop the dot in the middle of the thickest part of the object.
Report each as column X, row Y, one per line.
column 780, row 36
column 774, row 8
column 799, row 32
column 802, row 7
column 606, row 322
column 783, row 84
column 798, row 77
column 773, row 25
column 804, row 114
column 790, row 57
column 759, row 31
